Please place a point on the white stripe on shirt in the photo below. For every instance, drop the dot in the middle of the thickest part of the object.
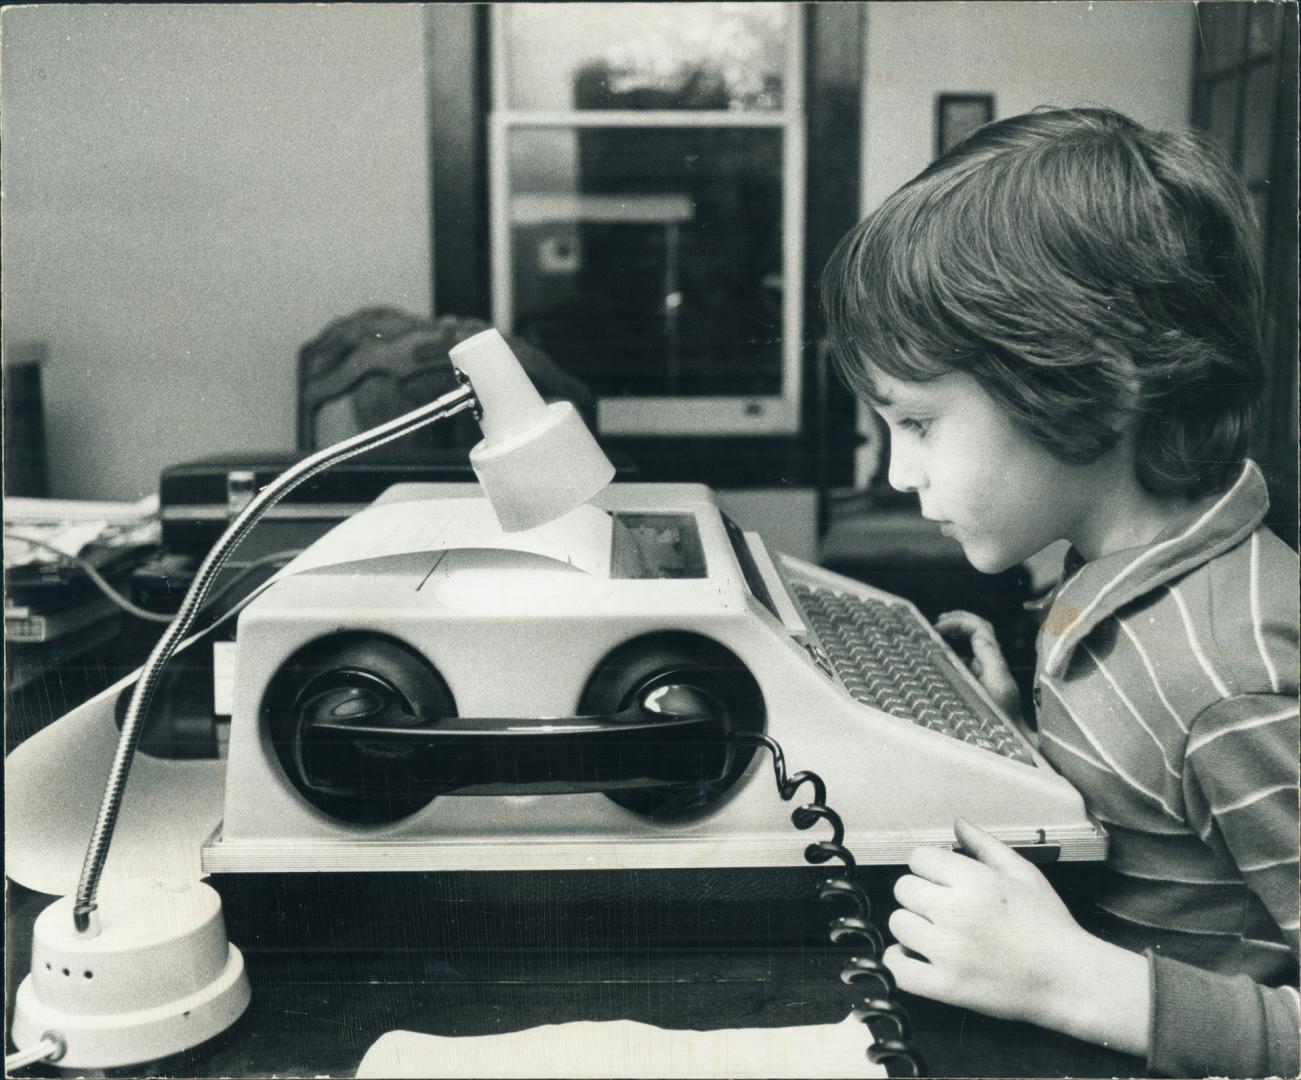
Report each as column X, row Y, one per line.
column 1280, row 946
column 1195, row 644
column 1130, row 706
column 1075, row 750
column 1248, row 800
column 1146, row 830
column 1198, row 742
column 1257, row 625
column 1235, row 883
column 1270, row 865
column 1151, row 671
column 1114, row 768
column 1166, row 926
column 1148, row 554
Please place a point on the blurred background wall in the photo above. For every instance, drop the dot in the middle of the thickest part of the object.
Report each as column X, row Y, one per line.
column 1131, row 55
column 190, row 193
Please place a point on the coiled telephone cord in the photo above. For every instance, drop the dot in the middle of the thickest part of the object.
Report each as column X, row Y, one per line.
column 884, row 1017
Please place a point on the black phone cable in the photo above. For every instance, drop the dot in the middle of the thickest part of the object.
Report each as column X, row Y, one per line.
column 883, row 1015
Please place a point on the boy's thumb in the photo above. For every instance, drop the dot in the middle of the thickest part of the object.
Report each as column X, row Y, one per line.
column 982, row 846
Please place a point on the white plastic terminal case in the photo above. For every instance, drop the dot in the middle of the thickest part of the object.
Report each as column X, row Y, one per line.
column 515, row 634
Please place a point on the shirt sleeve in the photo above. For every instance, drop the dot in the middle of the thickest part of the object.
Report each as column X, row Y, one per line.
column 1207, row 1024
column 1240, row 792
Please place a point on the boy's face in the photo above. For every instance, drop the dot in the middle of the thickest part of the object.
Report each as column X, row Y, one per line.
column 1000, row 494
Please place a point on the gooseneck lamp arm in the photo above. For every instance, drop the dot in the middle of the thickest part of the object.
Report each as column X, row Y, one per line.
column 449, row 404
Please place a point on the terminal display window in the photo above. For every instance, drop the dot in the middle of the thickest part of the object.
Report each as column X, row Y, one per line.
column 646, row 205
column 656, row 546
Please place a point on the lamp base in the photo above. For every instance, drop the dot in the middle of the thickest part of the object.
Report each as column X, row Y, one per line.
column 159, row 977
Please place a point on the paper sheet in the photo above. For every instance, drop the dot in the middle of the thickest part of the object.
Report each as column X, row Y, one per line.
column 71, row 525
column 20, row 508
column 55, row 780
column 581, row 537
column 624, row 1048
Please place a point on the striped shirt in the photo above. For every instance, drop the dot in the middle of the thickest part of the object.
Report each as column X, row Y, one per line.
column 1167, row 694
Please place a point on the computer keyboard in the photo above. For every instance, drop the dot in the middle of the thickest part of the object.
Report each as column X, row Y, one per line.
column 886, row 658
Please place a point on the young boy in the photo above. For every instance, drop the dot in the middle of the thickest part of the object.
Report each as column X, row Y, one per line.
column 1058, row 322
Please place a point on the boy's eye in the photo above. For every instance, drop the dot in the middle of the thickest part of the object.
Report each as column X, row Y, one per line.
column 917, row 427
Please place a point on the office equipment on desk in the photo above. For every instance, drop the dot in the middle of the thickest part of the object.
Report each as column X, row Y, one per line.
column 422, row 598
column 199, row 498
column 63, row 560
column 418, row 686
column 23, row 625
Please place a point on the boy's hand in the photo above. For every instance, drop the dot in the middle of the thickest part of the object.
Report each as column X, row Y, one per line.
column 988, row 931
column 970, row 633
column 985, row 931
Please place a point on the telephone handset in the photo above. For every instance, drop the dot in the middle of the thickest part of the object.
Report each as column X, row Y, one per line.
column 368, row 731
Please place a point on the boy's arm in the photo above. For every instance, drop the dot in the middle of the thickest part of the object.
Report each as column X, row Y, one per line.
column 1205, row 1023
column 1240, row 791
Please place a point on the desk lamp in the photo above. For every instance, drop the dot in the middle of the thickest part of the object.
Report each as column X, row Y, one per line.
column 153, row 973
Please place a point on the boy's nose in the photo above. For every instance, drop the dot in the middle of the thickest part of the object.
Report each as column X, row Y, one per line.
column 903, row 474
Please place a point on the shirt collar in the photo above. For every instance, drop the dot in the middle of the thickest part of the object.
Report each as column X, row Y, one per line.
column 1093, row 591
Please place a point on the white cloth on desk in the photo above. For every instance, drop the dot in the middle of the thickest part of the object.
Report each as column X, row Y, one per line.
column 624, row 1048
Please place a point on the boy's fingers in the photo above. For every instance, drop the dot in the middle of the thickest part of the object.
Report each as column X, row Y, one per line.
column 914, row 975
column 919, row 895
column 964, row 621
column 987, row 849
column 943, row 866
column 985, row 648
column 911, row 931
column 955, row 625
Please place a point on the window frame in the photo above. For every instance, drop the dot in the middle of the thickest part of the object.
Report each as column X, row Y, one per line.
column 821, row 454
column 673, row 415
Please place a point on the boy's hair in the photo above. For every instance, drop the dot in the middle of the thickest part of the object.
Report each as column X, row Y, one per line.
column 1082, row 268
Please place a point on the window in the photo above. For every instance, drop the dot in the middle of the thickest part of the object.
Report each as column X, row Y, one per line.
column 1245, row 95
column 647, row 206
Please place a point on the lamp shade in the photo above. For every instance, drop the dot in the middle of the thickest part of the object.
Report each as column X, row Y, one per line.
column 537, row 461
